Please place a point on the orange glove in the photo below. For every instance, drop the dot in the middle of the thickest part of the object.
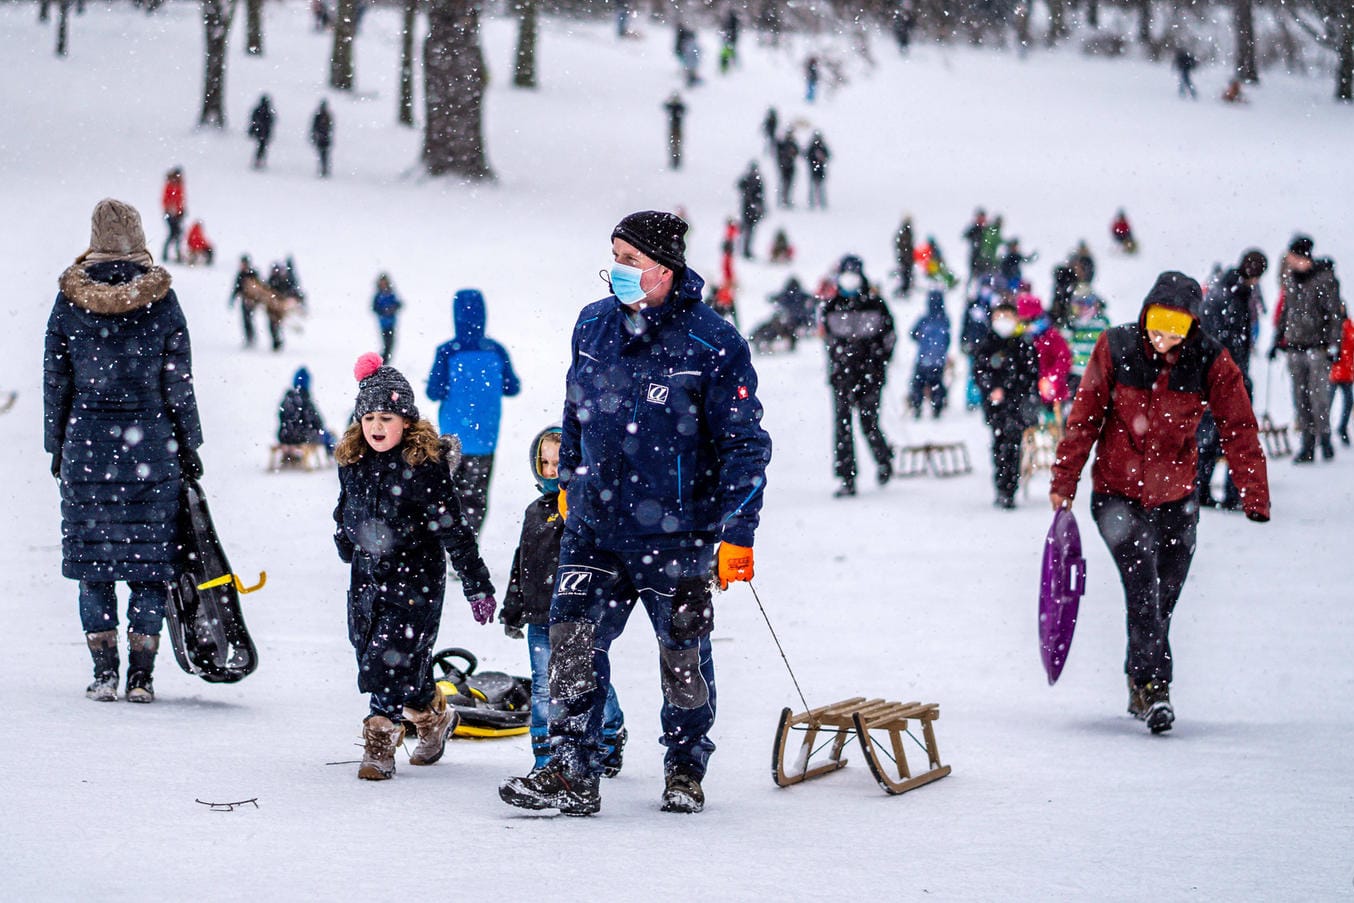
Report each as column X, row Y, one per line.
column 563, row 504
column 735, row 563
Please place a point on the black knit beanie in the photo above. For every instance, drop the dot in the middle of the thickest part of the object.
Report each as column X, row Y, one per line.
column 1302, row 246
column 660, row 235
column 381, row 388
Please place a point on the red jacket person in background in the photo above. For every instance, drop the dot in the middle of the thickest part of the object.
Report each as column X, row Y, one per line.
column 1145, row 388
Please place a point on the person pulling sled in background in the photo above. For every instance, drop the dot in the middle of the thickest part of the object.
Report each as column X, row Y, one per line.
column 1139, row 404
column 397, row 515
column 1006, row 373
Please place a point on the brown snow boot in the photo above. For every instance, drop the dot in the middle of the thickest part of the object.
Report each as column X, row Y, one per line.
column 141, row 649
column 1137, row 700
column 434, row 725
column 103, row 649
column 381, row 736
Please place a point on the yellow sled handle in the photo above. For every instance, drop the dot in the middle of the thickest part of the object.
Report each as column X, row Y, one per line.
column 235, row 578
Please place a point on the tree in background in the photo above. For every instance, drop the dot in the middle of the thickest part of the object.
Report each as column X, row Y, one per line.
column 341, row 60
column 1243, row 17
column 453, row 91
column 1331, row 23
column 406, row 113
column 524, row 69
column 253, row 19
column 216, row 18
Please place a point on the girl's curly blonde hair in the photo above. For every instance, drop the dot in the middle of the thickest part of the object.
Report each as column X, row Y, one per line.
column 421, row 443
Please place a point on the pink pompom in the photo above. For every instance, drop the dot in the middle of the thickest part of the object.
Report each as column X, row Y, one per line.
column 366, row 365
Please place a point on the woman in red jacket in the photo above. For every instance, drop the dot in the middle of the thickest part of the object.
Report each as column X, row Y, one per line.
column 175, row 208
column 1342, row 378
column 1140, row 400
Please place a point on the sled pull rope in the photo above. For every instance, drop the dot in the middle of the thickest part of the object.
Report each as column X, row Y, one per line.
column 779, row 648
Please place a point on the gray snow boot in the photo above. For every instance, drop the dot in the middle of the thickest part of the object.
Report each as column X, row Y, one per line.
column 381, row 736
column 103, row 649
column 141, row 649
column 1160, row 714
column 551, row 787
column 434, row 725
column 682, row 792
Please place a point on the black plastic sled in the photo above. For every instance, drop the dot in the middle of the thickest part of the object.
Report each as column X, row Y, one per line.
column 206, row 626
column 491, row 704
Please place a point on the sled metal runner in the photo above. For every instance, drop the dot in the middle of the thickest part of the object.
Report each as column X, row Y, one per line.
column 1275, row 438
column 939, row 459
column 861, row 716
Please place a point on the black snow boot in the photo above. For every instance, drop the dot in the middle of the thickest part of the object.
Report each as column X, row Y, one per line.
column 845, row 490
column 1306, row 450
column 1160, row 715
column 551, row 787
column 612, row 761
column 1327, row 449
column 682, row 792
column 103, row 649
column 141, row 650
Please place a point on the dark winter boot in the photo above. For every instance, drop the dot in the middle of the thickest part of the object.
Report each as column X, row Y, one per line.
column 1160, row 715
column 141, row 649
column 434, row 725
column 612, row 761
column 682, row 792
column 1137, row 700
column 1327, row 449
column 1306, row 450
column 381, row 736
column 885, row 472
column 551, row 787
column 845, row 490
column 103, row 648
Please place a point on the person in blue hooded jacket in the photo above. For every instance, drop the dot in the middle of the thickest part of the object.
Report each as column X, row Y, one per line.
column 662, row 470
column 386, row 305
column 932, row 335
column 470, row 376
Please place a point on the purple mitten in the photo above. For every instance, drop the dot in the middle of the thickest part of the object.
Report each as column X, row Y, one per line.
column 483, row 609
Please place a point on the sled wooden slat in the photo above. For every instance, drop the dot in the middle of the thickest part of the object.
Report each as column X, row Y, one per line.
column 1275, row 438
column 860, row 716
column 296, row 457
column 938, row 459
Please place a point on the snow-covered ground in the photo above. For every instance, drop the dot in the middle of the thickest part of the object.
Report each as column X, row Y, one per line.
column 919, row 591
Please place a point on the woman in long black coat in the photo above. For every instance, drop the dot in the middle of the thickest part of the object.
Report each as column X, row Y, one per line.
column 122, row 428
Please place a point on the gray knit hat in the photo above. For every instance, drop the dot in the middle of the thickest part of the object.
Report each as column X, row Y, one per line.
column 115, row 233
column 382, row 388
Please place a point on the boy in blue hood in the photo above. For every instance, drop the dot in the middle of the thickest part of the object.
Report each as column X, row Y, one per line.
column 932, row 335
column 470, row 376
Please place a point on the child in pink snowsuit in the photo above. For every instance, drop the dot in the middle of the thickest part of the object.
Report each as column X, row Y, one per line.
column 1055, row 355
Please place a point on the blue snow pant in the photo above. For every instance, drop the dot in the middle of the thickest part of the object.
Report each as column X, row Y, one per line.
column 923, row 378
column 595, row 590
column 145, row 608
column 538, row 647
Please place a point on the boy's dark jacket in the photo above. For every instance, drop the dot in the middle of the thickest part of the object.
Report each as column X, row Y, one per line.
column 393, row 523
column 532, row 583
column 1012, row 365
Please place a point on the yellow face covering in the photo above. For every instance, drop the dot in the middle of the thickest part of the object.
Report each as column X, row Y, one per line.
column 1168, row 320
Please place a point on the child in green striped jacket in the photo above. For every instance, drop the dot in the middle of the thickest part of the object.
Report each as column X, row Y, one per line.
column 1088, row 322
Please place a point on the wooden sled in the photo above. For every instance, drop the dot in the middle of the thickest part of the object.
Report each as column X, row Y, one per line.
column 939, row 459
column 296, row 457
column 1039, row 449
column 1274, row 438
column 862, row 716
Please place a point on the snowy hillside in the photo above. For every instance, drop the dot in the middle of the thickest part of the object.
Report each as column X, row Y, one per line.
column 918, row 591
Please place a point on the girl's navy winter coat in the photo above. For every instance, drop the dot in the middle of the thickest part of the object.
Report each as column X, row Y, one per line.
column 393, row 523
column 119, row 405
column 662, row 441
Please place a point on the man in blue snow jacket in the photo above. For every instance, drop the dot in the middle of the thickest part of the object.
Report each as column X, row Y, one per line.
column 470, row 376
column 663, row 459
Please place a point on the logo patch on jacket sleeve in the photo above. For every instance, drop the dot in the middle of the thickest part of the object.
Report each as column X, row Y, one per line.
column 658, row 394
column 742, row 393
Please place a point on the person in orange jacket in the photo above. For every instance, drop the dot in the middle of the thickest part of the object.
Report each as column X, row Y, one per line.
column 1342, row 379
column 175, row 208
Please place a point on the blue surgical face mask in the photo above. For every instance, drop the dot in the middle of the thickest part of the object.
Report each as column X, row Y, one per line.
column 625, row 282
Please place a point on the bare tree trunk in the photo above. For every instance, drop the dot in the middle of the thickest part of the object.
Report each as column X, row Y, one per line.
column 216, row 18
column 62, row 26
column 1145, row 26
column 1243, row 15
column 44, row 10
column 341, row 60
column 1093, row 13
column 1344, row 68
column 1057, row 23
column 453, row 91
column 524, row 74
column 254, row 27
column 406, row 116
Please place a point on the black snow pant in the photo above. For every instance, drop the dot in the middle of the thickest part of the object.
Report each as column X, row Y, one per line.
column 675, row 148
column 394, row 639
column 1153, row 548
column 387, row 344
column 817, row 192
column 323, row 151
column 174, row 241
column 260, row 153
column 748, row 226
column 866, row 404
column 247, row 318
column 1006, row 435
column 471, row 480
column 787, row 184
column 1210, row 449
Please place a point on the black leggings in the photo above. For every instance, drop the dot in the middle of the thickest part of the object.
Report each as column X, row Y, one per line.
column 1153, row 548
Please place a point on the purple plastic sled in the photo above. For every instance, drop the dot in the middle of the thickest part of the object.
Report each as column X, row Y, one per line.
column 1061, row 583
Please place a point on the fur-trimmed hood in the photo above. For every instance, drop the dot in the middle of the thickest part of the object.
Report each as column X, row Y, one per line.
column 99, row 297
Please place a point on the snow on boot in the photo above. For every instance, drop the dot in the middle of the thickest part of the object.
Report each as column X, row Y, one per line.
column 682, row 792
column 103, row 649
column 434, row 725
column 141, row 649
column 1137, row 700
column 381, row 736
column 1160, row 715
column 551, row 787
column 615, row 758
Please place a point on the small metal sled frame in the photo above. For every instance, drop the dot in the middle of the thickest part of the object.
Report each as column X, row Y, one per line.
column 1275, row 438
column 939, row 459
column 307, row 457
column 860, row 715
